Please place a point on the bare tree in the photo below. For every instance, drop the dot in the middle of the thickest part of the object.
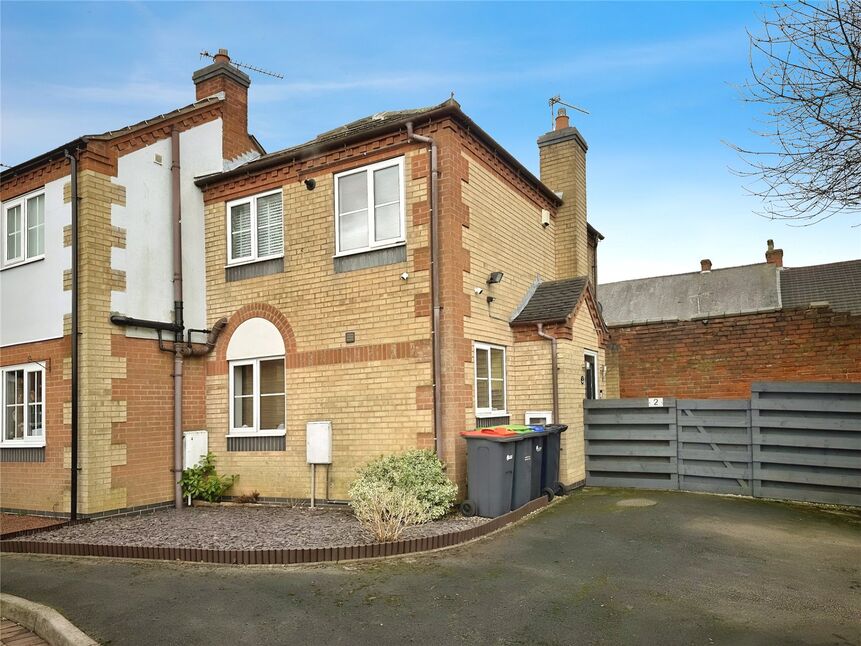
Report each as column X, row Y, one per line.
column 806, row 72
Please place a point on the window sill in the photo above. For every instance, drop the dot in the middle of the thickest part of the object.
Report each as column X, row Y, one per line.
column 355, row 252
column 32, row 444
column 251, row 261
column 276, row 433
column 21, row 263
column 492, row 413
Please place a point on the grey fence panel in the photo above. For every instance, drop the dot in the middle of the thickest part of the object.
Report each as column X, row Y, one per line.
column 630, row 444
column 807, row 441
column 714, row 445
column 795, row 441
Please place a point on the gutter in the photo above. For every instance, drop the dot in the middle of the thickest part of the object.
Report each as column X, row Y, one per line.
column 435, row 287
column 75, row 332
column 554, row 368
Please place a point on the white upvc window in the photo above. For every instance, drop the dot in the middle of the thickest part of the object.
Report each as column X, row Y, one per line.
column 24, row 228
column 490, row 386
column 369, row 207
column 255, row 228
column 22, row 397
column 257, row 397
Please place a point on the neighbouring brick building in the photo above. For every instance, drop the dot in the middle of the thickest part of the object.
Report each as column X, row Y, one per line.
column 351, row 280
column 712, row 333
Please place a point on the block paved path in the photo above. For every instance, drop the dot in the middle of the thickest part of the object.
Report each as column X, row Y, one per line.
column 661, row 568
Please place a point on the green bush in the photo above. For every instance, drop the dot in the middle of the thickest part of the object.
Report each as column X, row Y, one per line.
column 419, row 473
column 203, row 482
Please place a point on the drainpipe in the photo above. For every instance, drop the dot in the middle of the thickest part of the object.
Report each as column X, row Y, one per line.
column 435, row 288
column 553, row 368
column 177, row 316
column 73, row 507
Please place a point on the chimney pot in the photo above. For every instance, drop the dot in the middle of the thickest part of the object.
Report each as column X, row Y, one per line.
column 562, row 121
column 705, row 265
column 221, row 56
column 773, row 256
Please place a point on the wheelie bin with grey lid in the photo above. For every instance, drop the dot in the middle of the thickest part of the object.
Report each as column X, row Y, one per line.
column 551, row 459
column 489, row 471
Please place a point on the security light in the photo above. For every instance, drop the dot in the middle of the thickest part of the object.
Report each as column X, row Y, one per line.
column 495, row 277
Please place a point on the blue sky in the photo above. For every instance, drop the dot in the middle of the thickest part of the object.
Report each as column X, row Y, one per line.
column 657, row 78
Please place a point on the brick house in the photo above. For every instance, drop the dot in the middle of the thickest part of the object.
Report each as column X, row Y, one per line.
column 402, row 277
column 712, row 333
column 124, row 403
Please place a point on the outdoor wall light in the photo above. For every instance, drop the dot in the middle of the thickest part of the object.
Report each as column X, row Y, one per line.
column 495, row 277
column 405, row 276
column 478, row 290
column 311, row 183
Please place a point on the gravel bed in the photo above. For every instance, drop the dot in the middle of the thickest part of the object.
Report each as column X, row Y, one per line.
column 263, row 527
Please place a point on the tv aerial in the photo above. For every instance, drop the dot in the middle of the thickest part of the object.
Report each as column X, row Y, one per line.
column 554, row 100
column 240, row 65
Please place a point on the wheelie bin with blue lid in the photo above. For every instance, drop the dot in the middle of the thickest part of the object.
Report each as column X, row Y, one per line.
column 551, row 458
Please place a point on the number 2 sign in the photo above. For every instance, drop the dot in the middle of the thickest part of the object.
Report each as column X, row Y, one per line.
column 656, row 402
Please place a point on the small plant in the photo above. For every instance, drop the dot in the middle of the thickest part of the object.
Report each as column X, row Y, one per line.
column 202, row 482
column 249, row 497
column 383, row 511
column 395, row 491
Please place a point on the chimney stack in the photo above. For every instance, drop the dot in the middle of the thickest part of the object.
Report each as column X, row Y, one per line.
column 773, row 256
column 563, row 169
column 222, row 78
column 705, row 265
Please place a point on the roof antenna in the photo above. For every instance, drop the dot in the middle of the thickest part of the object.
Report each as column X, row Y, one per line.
column 557, row 99
column 237, row 64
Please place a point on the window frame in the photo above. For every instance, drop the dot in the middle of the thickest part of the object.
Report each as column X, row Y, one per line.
column 28, row 441
column 490, row 411
column 22, row 201
column 254, row 431
column 373, row 245
column 595, row 381
column 251, row 200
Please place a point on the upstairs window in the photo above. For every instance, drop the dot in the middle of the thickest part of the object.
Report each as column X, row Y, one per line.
column 369, row 207
column 255, row 228
column 489, row 380
column 24, row 229
column 22, row 396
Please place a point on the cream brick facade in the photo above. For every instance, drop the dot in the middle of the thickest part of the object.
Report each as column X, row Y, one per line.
column 373, row 403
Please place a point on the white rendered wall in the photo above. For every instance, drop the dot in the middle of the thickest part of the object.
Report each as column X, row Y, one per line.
column 148, row 256
column 32, row 300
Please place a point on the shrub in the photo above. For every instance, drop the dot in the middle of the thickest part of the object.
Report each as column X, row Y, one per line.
column 384, row 511
column 407, row 489
column 203, row 482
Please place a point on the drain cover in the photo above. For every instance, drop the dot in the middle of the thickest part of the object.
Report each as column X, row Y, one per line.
column 636, row 502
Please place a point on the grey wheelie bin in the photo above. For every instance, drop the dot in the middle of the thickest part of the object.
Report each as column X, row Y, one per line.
column 528, row 459
column 550, row 459
column 490, row 455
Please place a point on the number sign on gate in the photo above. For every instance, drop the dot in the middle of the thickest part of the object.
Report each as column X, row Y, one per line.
column 656, row 402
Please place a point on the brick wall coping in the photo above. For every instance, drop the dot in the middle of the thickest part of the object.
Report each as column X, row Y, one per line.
column 697, row 317
column 276, row 556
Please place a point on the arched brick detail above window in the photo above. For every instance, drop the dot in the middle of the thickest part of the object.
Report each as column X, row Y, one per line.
column 244, row 313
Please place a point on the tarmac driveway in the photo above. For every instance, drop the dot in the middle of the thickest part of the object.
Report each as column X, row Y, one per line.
column 688, row 569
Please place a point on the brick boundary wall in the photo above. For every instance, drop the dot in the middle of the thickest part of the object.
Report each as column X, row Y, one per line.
column 720, row 357
column 276, row 556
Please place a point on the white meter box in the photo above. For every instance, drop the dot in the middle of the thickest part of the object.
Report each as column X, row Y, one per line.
column 319, row 442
